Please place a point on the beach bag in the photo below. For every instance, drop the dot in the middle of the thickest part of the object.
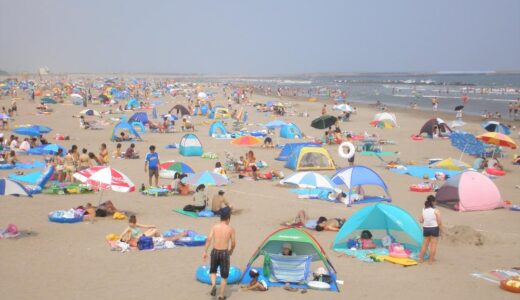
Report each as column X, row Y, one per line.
column 145, row 243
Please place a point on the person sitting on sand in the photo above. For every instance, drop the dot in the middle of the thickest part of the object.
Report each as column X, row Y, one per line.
column 268, row 143
column 83, row 124
column 220, row 170
column 366, row 240
column 103, row 154
column 256, row 283
column 118, row 152
column 200, row 199
column 134, row 231
column 186, row 125
column 494, row 163
column 219, row 204
column 131, row 153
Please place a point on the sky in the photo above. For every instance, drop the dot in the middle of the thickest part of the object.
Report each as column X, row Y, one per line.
column 259, row 37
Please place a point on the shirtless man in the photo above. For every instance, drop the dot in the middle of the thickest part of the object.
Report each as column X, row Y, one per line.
column 223, row 237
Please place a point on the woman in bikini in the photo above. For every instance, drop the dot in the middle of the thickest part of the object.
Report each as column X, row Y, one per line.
column 103, row 154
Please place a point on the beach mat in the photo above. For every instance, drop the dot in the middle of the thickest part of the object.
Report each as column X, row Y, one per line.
column 381, row 153
column 420, row 171
column 202, row 214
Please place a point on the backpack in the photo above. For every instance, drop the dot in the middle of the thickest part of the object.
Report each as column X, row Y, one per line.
column 145, row 243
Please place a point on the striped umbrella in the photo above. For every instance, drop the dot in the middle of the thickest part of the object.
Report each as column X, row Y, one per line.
column 206, row 178
column 498, row 139
column 309, row 179
column 10, row 187
column 105, row 178
column 246, row 140
column 169, row 168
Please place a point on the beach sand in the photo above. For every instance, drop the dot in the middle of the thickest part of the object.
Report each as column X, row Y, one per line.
column 74, row 261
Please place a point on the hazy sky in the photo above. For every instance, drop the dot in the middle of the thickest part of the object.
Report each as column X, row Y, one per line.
column 259, row 37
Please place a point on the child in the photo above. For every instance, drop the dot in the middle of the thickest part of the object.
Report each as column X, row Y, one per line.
column 366, row 240
column 256, row 284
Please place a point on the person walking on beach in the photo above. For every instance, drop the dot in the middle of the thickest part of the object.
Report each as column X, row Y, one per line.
column 151, row 164
column 222, row 236
column 435, row 104
column 431, row 222
column 324, row 110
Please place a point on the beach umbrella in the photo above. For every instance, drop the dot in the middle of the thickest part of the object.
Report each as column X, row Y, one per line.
column 343, row 107
column 53, row 149
column 494, row 126
column 309, row 180
column 275, row 124
column 169, row 168
column 30, row 131
column 206, row 178
column 467, row 143
column 105, row 178
column 48, row 100
column 324, row 122
column 246, row 140
column 90, row 112
column 497, row 139
column 451, row 164
column 459, row 107
column 10, row 187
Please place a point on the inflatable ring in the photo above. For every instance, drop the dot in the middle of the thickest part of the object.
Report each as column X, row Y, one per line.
column 351, row 150
column 496, row 172
column 203, row 275
column 420, row 189
column 56, row 219
column 417, row 137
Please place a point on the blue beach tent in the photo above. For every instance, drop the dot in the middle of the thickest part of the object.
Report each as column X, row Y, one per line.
column 125, row 126
column 290, row 147
column 190, row 145
column 290, row 131
column 358, row 176
column 381, row 220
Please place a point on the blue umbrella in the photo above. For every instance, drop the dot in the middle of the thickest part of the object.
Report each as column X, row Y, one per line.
column 310, row 179
column 30, row 131
column 467, row 143
column 43, row 129
column 9, row 187
column 53, row 149
column 494, row 126
column 206, row 178
column 275, row 124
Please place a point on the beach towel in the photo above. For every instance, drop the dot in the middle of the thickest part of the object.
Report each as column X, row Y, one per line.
column 294, row 268
column 23, row 165
column 420, row 171
column 153, row 191
column 204, row 213
column 30, row 178
column 210, row 155
column 171, row 146
column 377, row 153
column 193, row 239
column 313, row 194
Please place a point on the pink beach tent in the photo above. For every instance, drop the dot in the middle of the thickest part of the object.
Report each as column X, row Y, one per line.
column 469, row 191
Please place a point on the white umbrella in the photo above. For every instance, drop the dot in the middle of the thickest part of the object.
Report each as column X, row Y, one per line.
column 309, row 179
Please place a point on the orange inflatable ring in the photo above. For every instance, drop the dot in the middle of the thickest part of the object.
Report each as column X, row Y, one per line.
column 421, row 189
column 508, row 288
column 417, row 137
column 496, row 172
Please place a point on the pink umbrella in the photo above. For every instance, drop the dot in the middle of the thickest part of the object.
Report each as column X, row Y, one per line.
column 106, row 178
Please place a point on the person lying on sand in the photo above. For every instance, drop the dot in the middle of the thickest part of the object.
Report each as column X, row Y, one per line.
column 134, row 231
column 321, row 224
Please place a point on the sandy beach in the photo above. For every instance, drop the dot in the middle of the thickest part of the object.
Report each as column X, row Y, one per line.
column 73, row 261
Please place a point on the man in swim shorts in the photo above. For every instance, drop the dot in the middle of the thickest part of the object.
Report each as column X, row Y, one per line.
column 223, row 238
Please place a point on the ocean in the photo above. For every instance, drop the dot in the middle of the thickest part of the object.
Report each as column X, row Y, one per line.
column 485, row 91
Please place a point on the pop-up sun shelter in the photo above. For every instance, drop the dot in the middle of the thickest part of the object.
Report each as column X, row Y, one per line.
column 381, row 220
column 290, row 131
column 469, row 191
column 190, row 145
column 217, row 129
column 139, row 117
column 305, row 248
column 288, row 149
column 359, row 176
column 428, row 127
column 219, row 112
column 310, row 159
column 128, row 129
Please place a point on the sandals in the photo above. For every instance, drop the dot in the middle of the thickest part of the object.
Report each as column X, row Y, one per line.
column 222, row 298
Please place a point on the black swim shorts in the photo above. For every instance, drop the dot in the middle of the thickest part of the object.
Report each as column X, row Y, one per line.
column 431, row 231
column 153, row 172
column 220, row 258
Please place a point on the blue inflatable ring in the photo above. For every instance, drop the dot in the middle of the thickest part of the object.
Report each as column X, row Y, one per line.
column 203, row 275
column 62, row 220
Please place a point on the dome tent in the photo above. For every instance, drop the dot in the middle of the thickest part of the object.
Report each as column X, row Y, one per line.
column 190, row 145
column 310, row 158
column 469, row 191
column 290, row 131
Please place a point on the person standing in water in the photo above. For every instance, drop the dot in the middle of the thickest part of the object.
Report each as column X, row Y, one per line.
column 222, row 236
column 431, row 222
